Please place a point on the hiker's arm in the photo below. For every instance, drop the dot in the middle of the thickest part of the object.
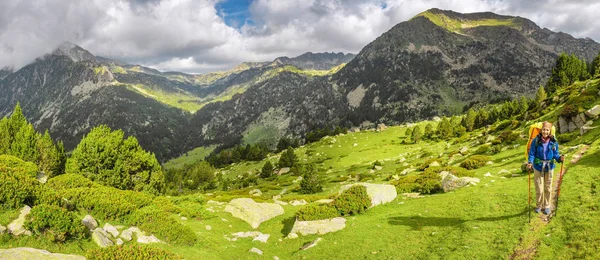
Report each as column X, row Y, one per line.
column 557, row 155
column 531, row 156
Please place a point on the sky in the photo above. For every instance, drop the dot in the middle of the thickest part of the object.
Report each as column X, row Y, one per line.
column 199, row 36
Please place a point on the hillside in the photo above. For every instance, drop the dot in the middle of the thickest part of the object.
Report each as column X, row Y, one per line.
column 486, row 219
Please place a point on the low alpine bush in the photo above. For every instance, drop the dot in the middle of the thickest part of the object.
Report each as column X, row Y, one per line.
column 55, row 223
column 352, row 201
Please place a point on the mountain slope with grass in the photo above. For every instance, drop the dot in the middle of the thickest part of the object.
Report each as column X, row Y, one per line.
column 485, row 219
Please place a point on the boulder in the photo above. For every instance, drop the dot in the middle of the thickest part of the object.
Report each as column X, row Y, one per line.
column 298, row 202
column 32, row 253
column 208, row 227
column 407, row 171
column 572, row 126
column 436, row 119
column 379, row 193
column 100, row 237
column 111, row 230
column 579, row 120
column 255, row 250
column 283, row 170
column 381, row 127
column 255, row 192
column 594, row 111
column 262, row 238
column 89, row 222
column 16, row 227
column 434, row 164
column 451, row 182
column 563, row 125
column 324, row 201
column 126, row 235
column 318, row 226
column 42, row 177
column 119, row 242
column 252, row 212
column 584, row 129
column 464, row 150
column 378, row 168
column 310, row 244
column 147, row 239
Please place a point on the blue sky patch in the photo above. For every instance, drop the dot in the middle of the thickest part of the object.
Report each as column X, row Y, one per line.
column 235, row 13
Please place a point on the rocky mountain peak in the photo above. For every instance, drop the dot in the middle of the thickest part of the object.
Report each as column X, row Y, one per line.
column 74, row 52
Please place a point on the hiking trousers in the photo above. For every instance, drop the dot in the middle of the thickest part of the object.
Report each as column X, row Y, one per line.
column 543, row 188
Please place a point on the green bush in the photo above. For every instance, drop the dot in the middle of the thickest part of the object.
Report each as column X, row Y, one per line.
column 69, row 181
column 311, row 182
column 106, row 202
column 131, row 252
column 316, row 212
column 565, row 138
column 427, row 183
column 352, row 201
column 483, row 149
column 456, row 171
column 17, row 185
column 475, row 162
column 55, row 223
column 508, row 137
column 156, row 221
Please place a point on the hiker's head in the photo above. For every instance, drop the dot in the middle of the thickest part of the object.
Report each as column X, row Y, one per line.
column 546, row 129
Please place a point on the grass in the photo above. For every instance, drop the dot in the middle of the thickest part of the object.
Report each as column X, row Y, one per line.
column 190, row 157
column 484, row 221
column 458, row 26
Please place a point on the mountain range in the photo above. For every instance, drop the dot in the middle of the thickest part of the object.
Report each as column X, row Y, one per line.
column 437, row 63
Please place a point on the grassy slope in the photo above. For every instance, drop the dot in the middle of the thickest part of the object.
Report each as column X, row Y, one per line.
column 485, row 221
column 190, row 157
column 457, row 26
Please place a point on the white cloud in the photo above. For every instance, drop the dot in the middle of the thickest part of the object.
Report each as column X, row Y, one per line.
column 190, row 36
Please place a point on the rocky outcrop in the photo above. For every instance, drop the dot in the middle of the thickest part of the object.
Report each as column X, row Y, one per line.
column 89, row 222
column 111, row 230
column 593, row 112
column 570, row 124
column 254, row 213
column 379, row 193
column 20, row 253
column 16, row 227
column 101, row 238
column 317, row 226
column 451, row 182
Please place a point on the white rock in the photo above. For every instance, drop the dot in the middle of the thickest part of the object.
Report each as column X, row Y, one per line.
column 407, row 171
column 318, row 226
column 262, row 238
column 208, row 227
column 119, row 242
column 256, row 250
column 100, row 237
column 184, row 218
column 298, row 202
column 255, row 192
column 89, row 222
column 378, row 168
column 488, row 175
column 33, row 253
column 252, row 212
column 324, row 201
column 292, row 235
column 126, row 235
column 379, row 193
column 110, row 229
column 147, row 239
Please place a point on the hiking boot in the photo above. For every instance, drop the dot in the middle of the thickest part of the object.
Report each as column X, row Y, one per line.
column 547, row 211
column 537, row 210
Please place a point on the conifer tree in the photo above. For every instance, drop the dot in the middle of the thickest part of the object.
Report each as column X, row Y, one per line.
column 267, row 170
column 428, row 133
column 540, row 95
column 596, row 65
column 416, row 134
column 4, row 136
column 469, row 120
column 445, row 130
column 408, row 132
column 24, row 144
column 288, row 158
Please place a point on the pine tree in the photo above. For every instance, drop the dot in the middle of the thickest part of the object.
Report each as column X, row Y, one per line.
column 24, row 144
column 288, row 158
column 267, row 170
column 4, row 136
column 445, row 130
column 540, row 95
column 596, row 65
column 408, row 132
column 311, row 181
column 428, row 131
column 469, row 120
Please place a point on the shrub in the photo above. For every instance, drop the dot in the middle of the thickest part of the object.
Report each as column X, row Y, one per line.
column 352, row 201
column 131, row 252
column 267, row 170
column 17, row 185
column 474, row 162
column 508, row 137
column 316, row 212
column 483, row 149
column 56, row 223
column 311, row 182
column 565, row 138
column 155, row 220
column 105, row 157
column 426, row 183
column 456, row 171
column 69, row 181
column 106, row 202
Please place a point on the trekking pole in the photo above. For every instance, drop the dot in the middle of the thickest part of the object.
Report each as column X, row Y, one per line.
column 559, row 184
column 529, row 193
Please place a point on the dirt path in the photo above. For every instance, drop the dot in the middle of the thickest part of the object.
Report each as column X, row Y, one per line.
column 527, row 247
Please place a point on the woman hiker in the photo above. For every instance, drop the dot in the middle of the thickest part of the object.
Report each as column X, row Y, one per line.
column 543, row 152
